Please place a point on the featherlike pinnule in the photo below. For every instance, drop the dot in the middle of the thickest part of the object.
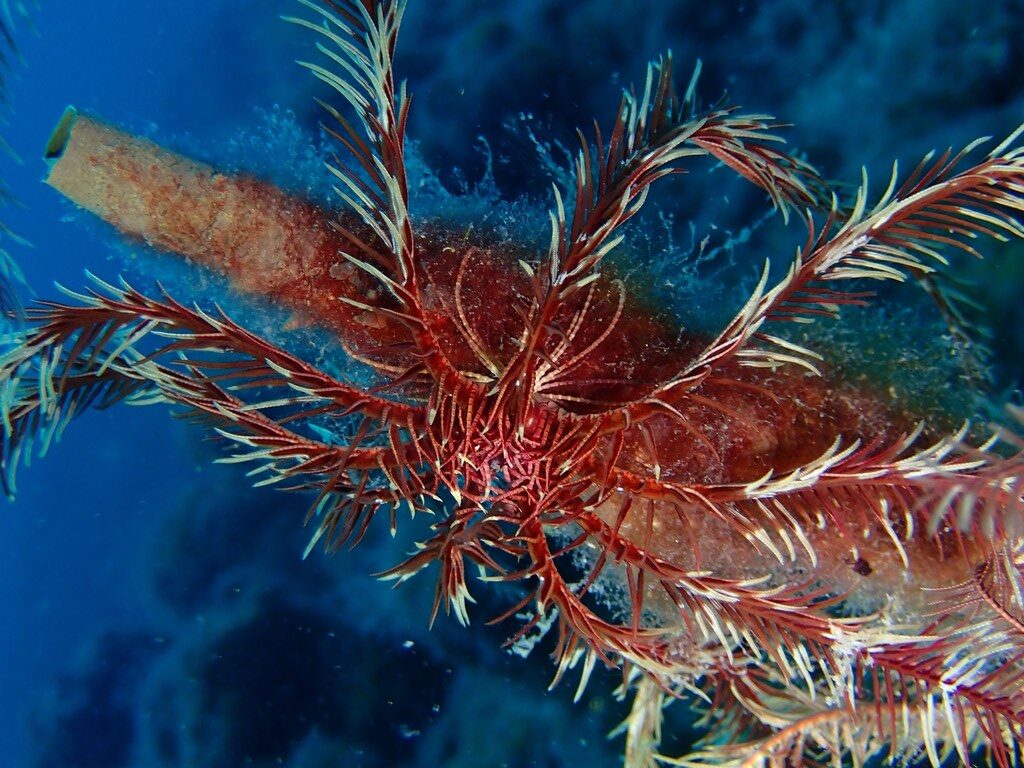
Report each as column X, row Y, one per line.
column 833, row 578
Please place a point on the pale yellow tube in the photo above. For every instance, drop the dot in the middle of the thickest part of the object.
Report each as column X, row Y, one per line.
column 266, row 241
column 245, row 228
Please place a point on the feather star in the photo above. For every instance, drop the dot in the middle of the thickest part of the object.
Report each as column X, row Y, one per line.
column 832, row 577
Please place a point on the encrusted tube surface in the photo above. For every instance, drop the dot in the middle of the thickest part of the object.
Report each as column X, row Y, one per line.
column 246, row 228
column 267, row 242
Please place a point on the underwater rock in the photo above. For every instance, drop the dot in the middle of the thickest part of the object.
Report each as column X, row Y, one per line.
column 251, row 690
column 90, row 718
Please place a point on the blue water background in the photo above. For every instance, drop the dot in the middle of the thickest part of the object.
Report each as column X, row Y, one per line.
column 73, row 547
column 75, row 542
column 77, row 547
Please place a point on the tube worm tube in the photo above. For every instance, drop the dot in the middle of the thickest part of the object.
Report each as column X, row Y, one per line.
column 281, row 247
column 275, row 245
column 265, row 241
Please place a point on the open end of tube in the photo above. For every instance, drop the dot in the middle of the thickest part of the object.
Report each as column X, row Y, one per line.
column 60, row 137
